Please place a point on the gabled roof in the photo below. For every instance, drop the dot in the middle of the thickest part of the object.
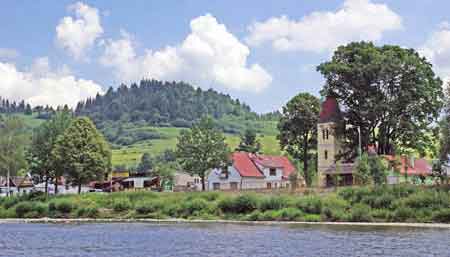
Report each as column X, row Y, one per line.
column 330, row 111
column 247, row 164
column 244, row 165
column 418, row 166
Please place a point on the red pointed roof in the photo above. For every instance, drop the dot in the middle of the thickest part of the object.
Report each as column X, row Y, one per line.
column 419, row 167
column 244, row 165
column 247, row 164
column 330, row 110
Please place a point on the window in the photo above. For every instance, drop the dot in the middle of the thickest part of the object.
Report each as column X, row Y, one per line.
column 323, row 134
column 273, row 172
column 216, row 186
column 233, row 185
column 327, row 133
column 269, row 185
column 325, row 155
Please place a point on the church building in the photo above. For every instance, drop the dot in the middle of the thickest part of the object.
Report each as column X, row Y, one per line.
column 331, row 171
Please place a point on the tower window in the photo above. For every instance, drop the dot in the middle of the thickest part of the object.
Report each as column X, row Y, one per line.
column 325, row 154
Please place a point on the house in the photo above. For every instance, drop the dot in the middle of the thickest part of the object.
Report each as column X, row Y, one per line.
column 415, row 168
column 182, row 181
column 252, row 171
column 17, row 185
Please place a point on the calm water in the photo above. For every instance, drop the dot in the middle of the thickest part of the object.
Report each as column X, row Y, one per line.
column 179, row 240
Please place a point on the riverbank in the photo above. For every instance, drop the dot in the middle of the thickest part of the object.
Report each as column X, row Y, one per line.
column 397, row 204
column 176, row 221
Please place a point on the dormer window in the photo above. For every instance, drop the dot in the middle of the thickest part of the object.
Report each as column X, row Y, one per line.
column 273, row 172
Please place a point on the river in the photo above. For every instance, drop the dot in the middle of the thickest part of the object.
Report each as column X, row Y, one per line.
column 218, row 240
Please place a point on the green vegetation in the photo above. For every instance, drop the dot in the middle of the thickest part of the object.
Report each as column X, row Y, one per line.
column 298, row 130
column 379, row 92
column 130, row 156
column 365, row 204
column 201, row 149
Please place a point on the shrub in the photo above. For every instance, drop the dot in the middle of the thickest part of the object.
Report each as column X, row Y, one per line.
column 87, row 212
column 146, row 207
column 121, row 204
column 381, row 214
column 290, row 214
column 254, row 216
column 272, row 203
column 423, row 199
column 9, row 202
column 241, row 204
column 360, row 212
column 442, row 215
column 402, row 214
column 23, row 208
column 194, row 207
column 311, row 218
column 64, row 206
column 310, row 204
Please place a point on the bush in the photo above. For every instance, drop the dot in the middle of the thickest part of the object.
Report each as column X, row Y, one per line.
column 147, row 207
column 402, row 214
column 272, row 203
column 87, row 212
column 312, row 218
column 241, row 204
column 310, row 204
column 290, row 214
column 23, row 208
column 121, row 204
column 194, row 207
column 64, row 206
column 9, row 202
column 361, row 212
column 442, row 216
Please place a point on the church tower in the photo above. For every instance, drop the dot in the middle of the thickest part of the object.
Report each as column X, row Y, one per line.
column 328, row 145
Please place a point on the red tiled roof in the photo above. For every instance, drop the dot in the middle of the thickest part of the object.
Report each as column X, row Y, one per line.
column 244, row 165
column 330, row 110
column 420, row 166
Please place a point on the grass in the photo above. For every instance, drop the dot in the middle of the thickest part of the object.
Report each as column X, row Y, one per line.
column 367, row 204
column 131, row 155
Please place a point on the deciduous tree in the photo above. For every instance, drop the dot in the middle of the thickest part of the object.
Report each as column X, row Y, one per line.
column 83, row 152
column 202, row 148
column 298, row 129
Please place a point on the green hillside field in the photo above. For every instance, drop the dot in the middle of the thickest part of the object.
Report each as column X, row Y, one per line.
column 130, row 155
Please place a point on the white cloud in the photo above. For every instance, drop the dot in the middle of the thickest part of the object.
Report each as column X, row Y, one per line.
column 323, row 31
column 210, row 54
column 41, row 86
column 437, row 51
column 7, row 53
column 76, row 34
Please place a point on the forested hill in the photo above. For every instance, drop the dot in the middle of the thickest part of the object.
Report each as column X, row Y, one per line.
column 162, row 104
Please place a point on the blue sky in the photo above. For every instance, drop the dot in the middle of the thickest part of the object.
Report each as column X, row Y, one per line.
column 262, row 52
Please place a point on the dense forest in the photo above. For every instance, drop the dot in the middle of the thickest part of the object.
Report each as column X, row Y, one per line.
column 165, row 104
column 161, row 103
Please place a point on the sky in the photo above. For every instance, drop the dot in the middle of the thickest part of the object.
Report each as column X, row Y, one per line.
column 262, row 52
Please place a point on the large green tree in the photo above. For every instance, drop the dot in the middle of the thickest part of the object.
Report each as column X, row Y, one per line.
column 202, row 148
column 83, row 153
column 389, row 92
column 42, row 162
column 298, row 130
column 12, row 146
column 249, row 142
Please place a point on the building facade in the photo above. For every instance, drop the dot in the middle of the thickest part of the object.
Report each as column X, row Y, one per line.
column 252, row 171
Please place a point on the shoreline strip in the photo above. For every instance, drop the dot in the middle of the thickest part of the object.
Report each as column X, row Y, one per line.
column 174, row 221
